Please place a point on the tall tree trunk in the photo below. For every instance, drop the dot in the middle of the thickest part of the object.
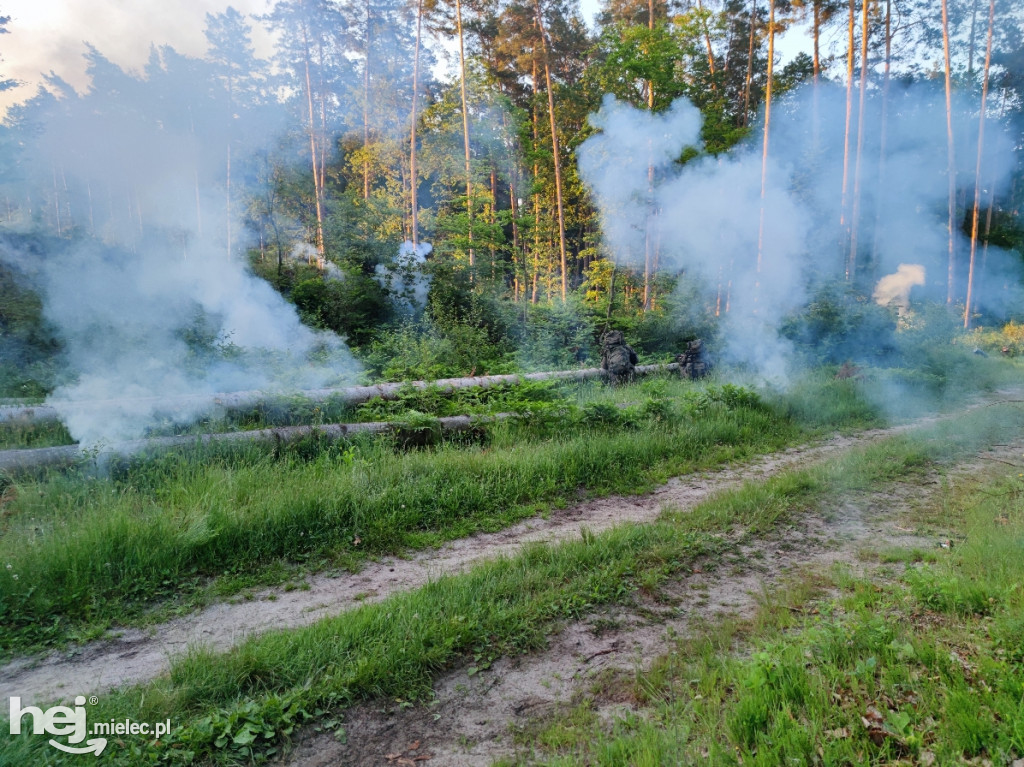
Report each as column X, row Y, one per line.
column 513, row 174
column 816, row 95
column 465, row 127
column 536, row 185
column 750, row 64
column 707, row 44
column 650, row 182
column 366, row 109
column 491, row 217
column 555, row 152
column 977, row 167
column 950, row 157
column 883, row 132
column 844, row 212
column 858, row 164
column 414, row 177
column 764, row 149
column 313, row 148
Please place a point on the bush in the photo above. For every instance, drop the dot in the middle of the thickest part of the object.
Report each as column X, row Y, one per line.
column 840, row 324
column 557, row 336
column 421, row 351
column 1007, row 341
column 353, row 306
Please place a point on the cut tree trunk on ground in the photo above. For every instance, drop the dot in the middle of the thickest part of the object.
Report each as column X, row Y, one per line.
column 350, row 395
column 16, row 461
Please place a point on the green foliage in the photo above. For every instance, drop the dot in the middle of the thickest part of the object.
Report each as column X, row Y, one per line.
column 1007, row 341
column 351, row 306
column 105, row 550
column 841, row 669
column 813, row 675
column 557, row 336
column 28, row 346
column 840, row 325
column 423, row 351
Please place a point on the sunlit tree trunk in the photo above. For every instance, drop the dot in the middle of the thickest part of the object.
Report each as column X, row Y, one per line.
column 815, row 98
column 513, row 177
column 317, row 195
column 950, row 157
column 844, row 212
column 465, row 127
column 858, row 164
column 883, row 131
column 765, row 144
column 536, row 195
column 414, row 177
column 650, row 184
column 977, row 168
column 366, row 107
column 491, row 217
column 555, row 152
column 707, row 44
column 750, row 64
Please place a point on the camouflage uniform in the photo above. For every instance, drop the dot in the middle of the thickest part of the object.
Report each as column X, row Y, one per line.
column 618, row 360
column 693, row 363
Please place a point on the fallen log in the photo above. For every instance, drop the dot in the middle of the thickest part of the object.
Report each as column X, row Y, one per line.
column 351, row 395
column 14, row 462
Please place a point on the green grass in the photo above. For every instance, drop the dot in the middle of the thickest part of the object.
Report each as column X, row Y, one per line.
column 90, row 551
column 923, row 668
column 241, row 706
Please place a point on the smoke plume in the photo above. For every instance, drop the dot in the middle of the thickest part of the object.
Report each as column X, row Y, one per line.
column 147, row 286
column 761, row 234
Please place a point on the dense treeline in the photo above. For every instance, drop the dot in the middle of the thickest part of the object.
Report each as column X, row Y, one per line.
column 350, row 141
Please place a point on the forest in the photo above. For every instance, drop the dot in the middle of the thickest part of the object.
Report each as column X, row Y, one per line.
column 497, row 218
column 242, row 498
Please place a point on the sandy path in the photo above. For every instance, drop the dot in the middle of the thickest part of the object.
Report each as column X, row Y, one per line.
column 137, row 655
column 472, row 720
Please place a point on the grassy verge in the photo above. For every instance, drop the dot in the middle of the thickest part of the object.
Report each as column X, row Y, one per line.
column 81, row 552
column 242, row 706
column 923, row 665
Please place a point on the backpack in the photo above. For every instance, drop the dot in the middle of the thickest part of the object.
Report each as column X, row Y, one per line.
column 619, row 362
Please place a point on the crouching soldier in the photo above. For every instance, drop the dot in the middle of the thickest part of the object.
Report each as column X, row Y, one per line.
column 694, row 363
column 618, row 360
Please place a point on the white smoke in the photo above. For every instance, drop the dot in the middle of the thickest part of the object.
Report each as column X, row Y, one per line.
column 142, row 288
column 894, row 289
column 407, row 280
column 759, row 253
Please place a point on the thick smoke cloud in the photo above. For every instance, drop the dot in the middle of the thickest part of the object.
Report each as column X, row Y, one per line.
column 761, row 255
column 150, row 294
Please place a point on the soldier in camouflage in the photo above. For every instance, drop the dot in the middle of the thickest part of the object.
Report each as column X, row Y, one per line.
column 618, row 360
column 693, row 363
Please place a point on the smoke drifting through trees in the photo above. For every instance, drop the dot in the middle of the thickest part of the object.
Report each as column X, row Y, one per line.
column 158, row 183
column 710, row 206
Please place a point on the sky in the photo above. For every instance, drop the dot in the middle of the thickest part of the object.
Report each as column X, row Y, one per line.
column 47, row 35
